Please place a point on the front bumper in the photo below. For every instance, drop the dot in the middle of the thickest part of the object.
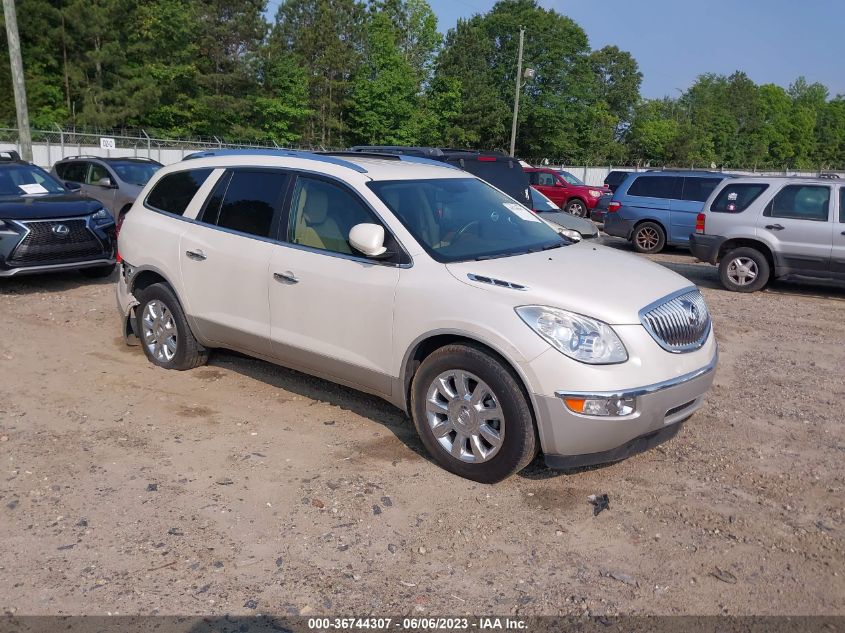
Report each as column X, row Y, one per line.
column 572, row 440
column 617, row 226
column 706, row 247
column 52, row 268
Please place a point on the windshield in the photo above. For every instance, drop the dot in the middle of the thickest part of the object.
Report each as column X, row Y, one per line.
column 135, row 173
column 541, row 203
column 22, row 180
column 572, row 180
column 459, row 219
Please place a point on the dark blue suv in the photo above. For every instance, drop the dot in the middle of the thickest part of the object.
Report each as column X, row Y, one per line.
column 46, row 226
column 655, row 208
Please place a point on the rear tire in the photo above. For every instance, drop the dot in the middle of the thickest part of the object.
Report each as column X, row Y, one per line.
column 577, row 208
column 472, row 414
column 163, row 330
column 744, row 269
column 648, row 237
column 98, row 272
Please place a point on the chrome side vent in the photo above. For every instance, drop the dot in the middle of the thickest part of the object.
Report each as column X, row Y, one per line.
column 495, row 282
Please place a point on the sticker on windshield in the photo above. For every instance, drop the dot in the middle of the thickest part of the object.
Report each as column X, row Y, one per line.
column 520, row 211
column 32, row 188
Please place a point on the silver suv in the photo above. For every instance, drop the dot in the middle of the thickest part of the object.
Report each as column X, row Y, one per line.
column 114, row 182
column 759, row 228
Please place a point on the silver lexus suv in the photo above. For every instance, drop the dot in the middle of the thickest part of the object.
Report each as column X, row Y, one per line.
column 426, row 286
column 759, row 228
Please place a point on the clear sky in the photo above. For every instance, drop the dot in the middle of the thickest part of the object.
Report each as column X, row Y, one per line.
column 674, row 41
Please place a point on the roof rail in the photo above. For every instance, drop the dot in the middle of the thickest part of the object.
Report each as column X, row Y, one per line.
column 14, row 157
column 356, row 154
column 277, row 152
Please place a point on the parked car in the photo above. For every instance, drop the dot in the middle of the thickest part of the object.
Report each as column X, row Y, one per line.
column 115, row 182
column 759, row 228
column 655, row 208
column 425, row 286
column 44, row 227
column 574, row 227
column 614, row 179
column 565, row 190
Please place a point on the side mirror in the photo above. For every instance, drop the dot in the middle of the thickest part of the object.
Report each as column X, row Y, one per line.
column 368, row 239
column 560, row 183
column 105, row 182
column 72, row 186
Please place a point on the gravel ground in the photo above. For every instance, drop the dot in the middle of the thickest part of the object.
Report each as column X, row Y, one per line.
column 241, row 487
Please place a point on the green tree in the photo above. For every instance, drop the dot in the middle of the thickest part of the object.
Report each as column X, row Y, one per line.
column 619, row 80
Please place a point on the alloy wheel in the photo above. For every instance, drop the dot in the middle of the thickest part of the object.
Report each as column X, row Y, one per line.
column 742, row 271
column 647, row 238
column 465, row 416
column 159, row 331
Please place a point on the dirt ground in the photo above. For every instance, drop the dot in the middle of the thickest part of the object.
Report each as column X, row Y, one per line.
column 242, row 487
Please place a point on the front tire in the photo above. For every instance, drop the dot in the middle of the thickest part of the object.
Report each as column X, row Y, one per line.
column 744, row 269
column 472, row 415
column 577, row 208
column 164, row 332
column 648, row 237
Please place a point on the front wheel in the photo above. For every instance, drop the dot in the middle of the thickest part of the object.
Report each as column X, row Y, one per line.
column 164, row 331
column 472, row 415
column 649, row 237
column 576, row 208
column 744, row 270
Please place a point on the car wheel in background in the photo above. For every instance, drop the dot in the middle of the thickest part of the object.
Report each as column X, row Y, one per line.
column 164, row 332
column 744, row 269
column 472, row 415
column 648, row 237
column 98, row 272
column 576, row 208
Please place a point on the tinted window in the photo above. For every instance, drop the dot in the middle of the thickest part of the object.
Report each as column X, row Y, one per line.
column 652, row 186
column 738, row 197
column 506, row 175
column 699, row 189
column 74, row 172
column 249, row 203
column 615, row 178
column 174, row 192
column 533, row 177
column 801, row 202
column 546, row 179
column 136, row 173
column 323, row 213
column 97, row 172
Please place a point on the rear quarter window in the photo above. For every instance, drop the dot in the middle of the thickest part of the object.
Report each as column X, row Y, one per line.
column 174, row 192
column 652, row 186
column 736, row 198
column 699, row 189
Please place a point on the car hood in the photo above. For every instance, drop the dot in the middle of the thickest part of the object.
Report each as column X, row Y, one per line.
column 592, row 280
column 38, row 207
column 569, row 221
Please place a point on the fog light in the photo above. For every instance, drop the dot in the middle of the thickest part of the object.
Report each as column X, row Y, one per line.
column 613, row 406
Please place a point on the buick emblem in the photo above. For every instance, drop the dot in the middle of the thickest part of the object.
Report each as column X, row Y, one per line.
column 61, row 230
column 691, row 311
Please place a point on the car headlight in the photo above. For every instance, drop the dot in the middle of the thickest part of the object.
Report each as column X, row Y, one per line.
column 595, row 193
column 102, row 216
column 581, row 338
column 575, row 236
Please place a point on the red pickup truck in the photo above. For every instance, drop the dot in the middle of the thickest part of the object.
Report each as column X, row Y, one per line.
column 565, row 190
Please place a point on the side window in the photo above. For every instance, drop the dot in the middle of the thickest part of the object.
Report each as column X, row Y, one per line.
column 546, row 179
column 322, row 215
column 699, row 189
column 801, row 202
column 737, row 198
column 96, row 173
column 534, row 177
column 652, row 186
column 74, row 172
column 249, row 203
column 174, row 192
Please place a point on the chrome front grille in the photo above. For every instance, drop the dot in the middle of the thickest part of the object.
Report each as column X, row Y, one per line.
column 679, row 323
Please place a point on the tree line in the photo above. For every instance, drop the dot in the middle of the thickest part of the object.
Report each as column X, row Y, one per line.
column 332, row 73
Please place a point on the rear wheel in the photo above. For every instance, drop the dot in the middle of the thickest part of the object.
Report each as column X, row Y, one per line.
column 164, row 332
column 472, row 414
column 577, row 207
column 744, row 269
column 648, row 237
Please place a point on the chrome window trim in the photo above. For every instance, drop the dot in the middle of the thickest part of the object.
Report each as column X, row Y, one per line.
column 654, row 304
column 646, row 390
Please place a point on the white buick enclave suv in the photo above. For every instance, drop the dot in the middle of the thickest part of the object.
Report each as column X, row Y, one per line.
column 424, row 285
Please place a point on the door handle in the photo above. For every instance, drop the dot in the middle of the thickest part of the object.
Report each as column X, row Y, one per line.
column 843, row 232
column 775, row 227
column 287, row 277
column 197, row 255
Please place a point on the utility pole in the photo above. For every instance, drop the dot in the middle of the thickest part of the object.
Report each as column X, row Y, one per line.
column 518, row 90
column 24, row 134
